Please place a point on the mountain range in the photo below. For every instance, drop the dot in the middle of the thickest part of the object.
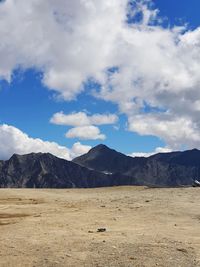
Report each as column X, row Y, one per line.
column 101, row 166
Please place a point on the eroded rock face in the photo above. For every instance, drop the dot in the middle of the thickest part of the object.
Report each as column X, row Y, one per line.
column 102, row 158
column 163, row 169
column 101, row 166
column 47, row 171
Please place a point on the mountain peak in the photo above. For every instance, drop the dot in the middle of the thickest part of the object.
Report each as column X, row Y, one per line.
column 103, row 166
column 100, row 147
column 104, row 159
column 101, row 150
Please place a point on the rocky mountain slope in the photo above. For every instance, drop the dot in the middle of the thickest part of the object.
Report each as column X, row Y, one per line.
column 101, row 166
column 104, row 159
column 163, row 169
column 38, row 170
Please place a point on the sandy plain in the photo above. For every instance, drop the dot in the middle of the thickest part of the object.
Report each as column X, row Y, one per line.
column 144, row 227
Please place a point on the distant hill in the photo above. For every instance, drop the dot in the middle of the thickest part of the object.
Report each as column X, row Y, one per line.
column 101, row 166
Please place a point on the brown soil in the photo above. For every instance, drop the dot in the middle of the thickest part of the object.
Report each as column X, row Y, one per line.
column 143, row 227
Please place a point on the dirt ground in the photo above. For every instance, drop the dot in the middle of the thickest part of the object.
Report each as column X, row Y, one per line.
column 144, row 227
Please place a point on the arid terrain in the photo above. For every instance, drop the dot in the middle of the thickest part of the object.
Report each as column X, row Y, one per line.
column 144, row 227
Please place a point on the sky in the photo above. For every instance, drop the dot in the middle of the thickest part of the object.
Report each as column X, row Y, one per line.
column 77, row 73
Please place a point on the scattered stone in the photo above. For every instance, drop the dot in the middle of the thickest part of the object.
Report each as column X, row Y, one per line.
column 90, row 232
column 100, row 230
column 182, row 250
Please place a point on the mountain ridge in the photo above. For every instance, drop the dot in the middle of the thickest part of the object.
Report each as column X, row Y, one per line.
column 101, row 166
column 43, row 170
column 164, row 169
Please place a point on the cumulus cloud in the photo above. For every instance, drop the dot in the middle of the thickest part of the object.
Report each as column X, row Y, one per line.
column 78, row 149
column 103, row 119
column 73, row 119
column 176, row 130
column 82, row 119
column 148, row 154
column 13, row 140
column 63, row 39
column 137, row 65
column 84, row 124
column 85, row 133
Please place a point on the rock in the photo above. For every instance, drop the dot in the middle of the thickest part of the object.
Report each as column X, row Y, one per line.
column 182, row 250
column 100, row 230
column 100, row 167
column 162, row 169
column 43, row 170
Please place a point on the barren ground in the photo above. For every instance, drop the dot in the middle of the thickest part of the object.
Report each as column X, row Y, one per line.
column 144, row 227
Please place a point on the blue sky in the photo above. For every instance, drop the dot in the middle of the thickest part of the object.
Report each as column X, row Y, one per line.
column 180, row 11
column 28, row 105
column 30, row 94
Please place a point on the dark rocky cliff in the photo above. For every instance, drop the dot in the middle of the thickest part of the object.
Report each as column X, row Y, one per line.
column 47, row 171
column 163, row 169
column 101, row 166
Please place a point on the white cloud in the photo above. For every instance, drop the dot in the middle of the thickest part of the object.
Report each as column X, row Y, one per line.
column 84, row 124
column 148, row 154
column 73, row 119
column 103, row 119
column 176, row 130
column 85, row 133
column 63, row 39
column 78, row 149
column 82, row 119
column 13, row 140
column 71, row 41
